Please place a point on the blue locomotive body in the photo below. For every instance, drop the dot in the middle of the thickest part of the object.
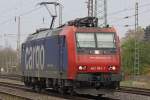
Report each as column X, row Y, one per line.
column 44, row 57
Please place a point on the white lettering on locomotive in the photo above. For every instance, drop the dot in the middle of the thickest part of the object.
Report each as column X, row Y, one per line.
column 35, row 57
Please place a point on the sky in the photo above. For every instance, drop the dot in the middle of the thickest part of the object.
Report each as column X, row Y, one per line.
column 32, row 16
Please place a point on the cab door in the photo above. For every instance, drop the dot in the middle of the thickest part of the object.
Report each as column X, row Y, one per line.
column 61, row 56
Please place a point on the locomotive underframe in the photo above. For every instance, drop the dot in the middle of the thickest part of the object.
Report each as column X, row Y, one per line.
column 78, row 85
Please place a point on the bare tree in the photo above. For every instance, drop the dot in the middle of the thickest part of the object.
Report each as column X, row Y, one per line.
column 8, row 59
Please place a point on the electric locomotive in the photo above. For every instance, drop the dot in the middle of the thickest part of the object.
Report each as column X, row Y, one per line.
column 76, row 56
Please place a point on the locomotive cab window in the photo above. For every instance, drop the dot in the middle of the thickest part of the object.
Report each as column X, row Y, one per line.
column 85, row 40
column 105, row 40
column 90, row 43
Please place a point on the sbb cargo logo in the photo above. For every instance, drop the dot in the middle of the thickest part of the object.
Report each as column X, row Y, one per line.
column 35, row 57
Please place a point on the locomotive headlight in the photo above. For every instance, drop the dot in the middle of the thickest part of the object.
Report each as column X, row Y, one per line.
column 80, row 67
column 113, row 67
column 97, row 52
column 84, row 67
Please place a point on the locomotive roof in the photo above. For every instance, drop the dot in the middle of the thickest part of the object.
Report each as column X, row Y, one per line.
column 42, row 33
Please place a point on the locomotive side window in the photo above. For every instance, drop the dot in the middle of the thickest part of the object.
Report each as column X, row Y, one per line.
column 86, row 40
column 105, row 40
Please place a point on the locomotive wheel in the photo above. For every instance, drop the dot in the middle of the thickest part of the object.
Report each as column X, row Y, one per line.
column 71, row 91
column 115, row 85
column 61, row 90
column 36, row 88
column 33, row 87
column 25, row 83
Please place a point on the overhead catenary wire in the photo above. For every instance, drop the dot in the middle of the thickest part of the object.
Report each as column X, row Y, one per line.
column 127, row 9
column 110, row 14
column 12, row 8
column 130, row 16
column 13, row 34
column 6, row 11
column 6, row 21
column 21, row 15
column 30, row 11
column 124, row 10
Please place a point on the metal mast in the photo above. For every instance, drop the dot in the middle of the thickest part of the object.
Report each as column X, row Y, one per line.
column 101, row 11
column 60, row 14
column 105, row 12
column 18, row 42
column 136, row 55
column 90, row 8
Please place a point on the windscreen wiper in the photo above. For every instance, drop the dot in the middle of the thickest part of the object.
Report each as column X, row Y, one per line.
column 78, row 45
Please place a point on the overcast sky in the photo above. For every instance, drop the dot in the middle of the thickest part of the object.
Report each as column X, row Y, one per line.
column 71, row 9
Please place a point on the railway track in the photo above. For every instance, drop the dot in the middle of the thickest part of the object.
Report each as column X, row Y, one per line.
column 47, row 93
column 21, row 91
column 43, row 94
column 8, row 96
column 11, row 76
column 130, row 90
column 134, row 90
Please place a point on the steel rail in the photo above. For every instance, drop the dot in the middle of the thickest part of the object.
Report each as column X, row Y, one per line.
column 47, row 93
column 134, row 90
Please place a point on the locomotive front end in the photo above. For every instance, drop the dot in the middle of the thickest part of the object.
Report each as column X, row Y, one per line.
column 98, row 57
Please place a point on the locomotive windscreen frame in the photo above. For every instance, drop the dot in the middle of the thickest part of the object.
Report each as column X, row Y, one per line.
column 103, row 42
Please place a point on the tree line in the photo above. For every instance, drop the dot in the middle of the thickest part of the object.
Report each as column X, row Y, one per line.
column 8, row 59
column 128, row 52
